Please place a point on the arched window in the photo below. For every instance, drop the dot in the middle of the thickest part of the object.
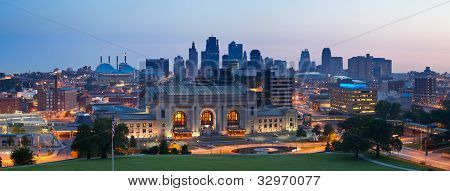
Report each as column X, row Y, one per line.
column 179, row 119
column 233, row 117
column 206, row 118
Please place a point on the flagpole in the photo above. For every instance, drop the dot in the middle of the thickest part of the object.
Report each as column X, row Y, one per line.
column 112, row 143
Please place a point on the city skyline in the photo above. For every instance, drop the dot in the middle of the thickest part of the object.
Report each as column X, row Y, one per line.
column 282, row 32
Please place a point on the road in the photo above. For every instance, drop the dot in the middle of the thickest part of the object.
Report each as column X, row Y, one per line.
column 433, row 159
column 227, row 149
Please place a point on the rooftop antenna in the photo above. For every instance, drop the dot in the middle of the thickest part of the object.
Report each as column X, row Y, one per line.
column 109, row 59
column 125, row 59
column 101, row 59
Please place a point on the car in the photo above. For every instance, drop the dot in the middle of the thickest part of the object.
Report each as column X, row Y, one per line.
column 275, row 135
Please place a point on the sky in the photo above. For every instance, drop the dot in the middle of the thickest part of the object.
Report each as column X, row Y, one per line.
column 47, row 34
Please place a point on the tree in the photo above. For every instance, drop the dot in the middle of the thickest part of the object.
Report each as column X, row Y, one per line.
column 185, row 150
column 22, row 156
column 354, row 140
column 355, row 121
column 398, row 130
column 328, row 130
column 382, row 109
column 386, row 110
column 317, row 130
column 102, row 132
column 133, row 143
column 395, row 110
column 301, row 132
column 85, row 141
column 174, row 151
column 380, row 134
column 397, row 144
column 152, row 150
column 164, row 147
column 120, row 136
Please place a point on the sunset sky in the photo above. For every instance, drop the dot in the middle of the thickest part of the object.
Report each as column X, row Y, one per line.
column 278, row 28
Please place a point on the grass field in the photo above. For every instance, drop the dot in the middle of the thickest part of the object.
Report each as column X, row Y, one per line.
column 307, row 162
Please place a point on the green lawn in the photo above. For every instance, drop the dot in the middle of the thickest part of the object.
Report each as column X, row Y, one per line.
column 306, row 162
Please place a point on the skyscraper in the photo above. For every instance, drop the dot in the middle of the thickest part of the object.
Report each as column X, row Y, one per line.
column 210, row 58
column 235, row 52
column 369, row 68
column 361, row 68
column 305, row 64
column 179, row 69
column 256, row 60
column 331, row 65
column 425, row 88
column 382, row 68
column 225, row 61
column 157, row 68
column 192, row 63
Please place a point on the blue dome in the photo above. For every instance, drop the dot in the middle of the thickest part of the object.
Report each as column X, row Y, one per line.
column 125, row 68
column 105, row 68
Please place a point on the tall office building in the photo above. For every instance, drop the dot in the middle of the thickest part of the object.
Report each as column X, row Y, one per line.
column 278, row 88
column 179, row 69
column 256, row 60
column 382, row 68
column 305, row 64
column 331, row 65
column 210, row 58
column 361, row 68
column 244, row 60
column 157, row 68
column 192, row 63
column 369, row 68
column 235, row 52
column 425, row 88
column 268, row 63
column 225, row 61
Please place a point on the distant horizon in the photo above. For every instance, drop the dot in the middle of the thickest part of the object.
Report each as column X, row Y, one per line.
column 41, row 36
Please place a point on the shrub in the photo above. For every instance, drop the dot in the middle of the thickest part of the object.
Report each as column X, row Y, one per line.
column 185, row 150
column 174, row 151
column 22, row 156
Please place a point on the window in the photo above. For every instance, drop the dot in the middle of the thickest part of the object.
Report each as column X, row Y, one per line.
column 233, row 117
column 179, row 119
column 150, row 125
column 144, row 124
column 206, row 118
column 252, row 111
column 138, row 125
column 144, row 130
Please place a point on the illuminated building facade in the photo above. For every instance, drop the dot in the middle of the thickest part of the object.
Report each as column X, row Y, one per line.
column 189, row 111
column 353, row 98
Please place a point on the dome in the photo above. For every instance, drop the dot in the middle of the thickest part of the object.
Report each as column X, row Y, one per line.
column 125, row 68
column 105, row 68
